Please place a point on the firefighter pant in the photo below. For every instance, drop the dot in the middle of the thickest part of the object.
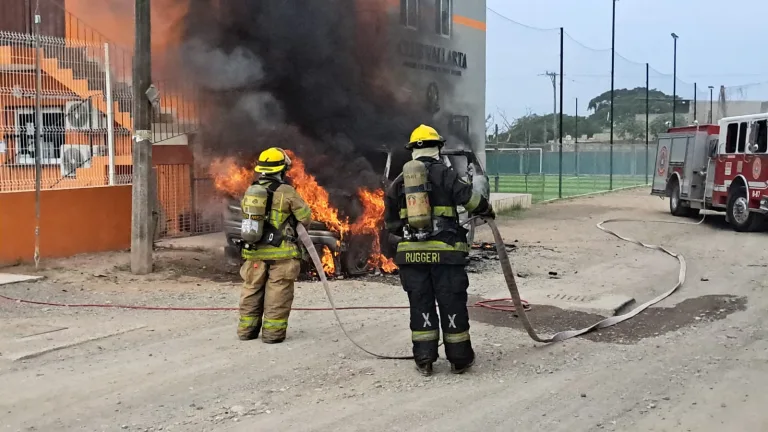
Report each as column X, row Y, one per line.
column 266, row 298
column 448, row 285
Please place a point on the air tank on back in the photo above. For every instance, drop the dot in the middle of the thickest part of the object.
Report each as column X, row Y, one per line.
column 254, row 206
column 416, row 196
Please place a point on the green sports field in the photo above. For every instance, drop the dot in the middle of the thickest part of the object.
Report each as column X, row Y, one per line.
column 545, row 187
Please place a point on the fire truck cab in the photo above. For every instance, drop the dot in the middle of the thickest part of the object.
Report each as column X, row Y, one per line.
column 716, row 167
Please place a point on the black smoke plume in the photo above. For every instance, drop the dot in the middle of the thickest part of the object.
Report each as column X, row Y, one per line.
column 314, row 76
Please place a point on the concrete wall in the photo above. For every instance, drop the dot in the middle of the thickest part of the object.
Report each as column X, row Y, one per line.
column 73, row 221
column 461, row 89
column 732, row 108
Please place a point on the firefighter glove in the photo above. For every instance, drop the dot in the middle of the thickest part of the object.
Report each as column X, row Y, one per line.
column 487, row 213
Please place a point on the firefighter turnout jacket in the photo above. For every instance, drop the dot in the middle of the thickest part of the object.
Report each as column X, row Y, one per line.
column 286, row 210
column 446, row 243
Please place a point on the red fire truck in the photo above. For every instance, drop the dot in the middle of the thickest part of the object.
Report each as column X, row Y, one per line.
column 721, row 167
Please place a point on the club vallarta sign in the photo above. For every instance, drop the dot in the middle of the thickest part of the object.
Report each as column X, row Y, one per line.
column 432, row 58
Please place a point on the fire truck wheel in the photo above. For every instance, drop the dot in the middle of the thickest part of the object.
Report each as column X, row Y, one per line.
column 676, row 207
column 739, row 215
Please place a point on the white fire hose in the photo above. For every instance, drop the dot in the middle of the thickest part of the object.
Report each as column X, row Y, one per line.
column 509, row 276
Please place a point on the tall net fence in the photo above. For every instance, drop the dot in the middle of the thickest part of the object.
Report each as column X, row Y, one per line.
column 740, row 100
column 608, row 143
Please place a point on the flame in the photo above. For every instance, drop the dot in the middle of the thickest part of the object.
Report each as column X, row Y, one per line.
column 316, row 196
column 233, row 179
column 329, row 265
column 319, row 201
column 370, row 223
column 230, row 177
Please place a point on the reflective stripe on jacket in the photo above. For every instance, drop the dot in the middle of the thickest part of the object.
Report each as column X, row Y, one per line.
column 431, row 252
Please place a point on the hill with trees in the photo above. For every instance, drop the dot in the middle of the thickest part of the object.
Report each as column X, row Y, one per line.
column 629, row 104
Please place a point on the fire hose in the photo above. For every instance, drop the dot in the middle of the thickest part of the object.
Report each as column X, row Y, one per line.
column 520, row 306
column 509, row 277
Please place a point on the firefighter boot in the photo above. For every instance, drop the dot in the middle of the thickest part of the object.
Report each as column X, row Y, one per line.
column 458, row 370
column 424, row 369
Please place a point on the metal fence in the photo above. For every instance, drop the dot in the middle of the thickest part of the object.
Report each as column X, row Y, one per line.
column 586, row 168
column 85, row 100
column 85, row 115
column 187, row 202
column 605, row 108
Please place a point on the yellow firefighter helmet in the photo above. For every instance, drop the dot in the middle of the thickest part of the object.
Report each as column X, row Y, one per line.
column 272, row 160
column 425, row 136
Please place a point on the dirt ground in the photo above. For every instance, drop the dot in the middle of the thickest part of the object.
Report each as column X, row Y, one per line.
column 698, row 361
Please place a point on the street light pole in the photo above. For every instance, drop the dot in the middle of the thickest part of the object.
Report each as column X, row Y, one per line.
column 674, row 83
column 711, row 105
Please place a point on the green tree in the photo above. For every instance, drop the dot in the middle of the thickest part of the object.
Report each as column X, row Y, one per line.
column 631, row 102
column 628, row 128
column 533, row 127
column 659, row 124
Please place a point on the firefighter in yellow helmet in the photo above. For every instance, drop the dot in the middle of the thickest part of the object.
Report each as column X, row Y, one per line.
column 271, row 210
column 420, row 207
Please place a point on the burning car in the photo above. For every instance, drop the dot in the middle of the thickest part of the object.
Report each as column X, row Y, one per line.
column 350, row 249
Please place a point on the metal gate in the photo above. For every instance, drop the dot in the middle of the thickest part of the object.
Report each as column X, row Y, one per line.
column 187, row 204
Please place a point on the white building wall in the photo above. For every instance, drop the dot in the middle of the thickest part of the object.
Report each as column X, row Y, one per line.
column 454, row 65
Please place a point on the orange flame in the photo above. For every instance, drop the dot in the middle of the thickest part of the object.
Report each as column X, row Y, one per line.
column 229, row 177
column 316, row 196
column 319, row 201
column 370, row 223
column 329, row 265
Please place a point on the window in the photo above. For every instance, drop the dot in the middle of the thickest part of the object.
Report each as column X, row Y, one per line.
column 52, row 136
column 409, row 13
column 444, row 17
column 762, row 136
column 679, row 148
column 742, row 137
column 730, row 139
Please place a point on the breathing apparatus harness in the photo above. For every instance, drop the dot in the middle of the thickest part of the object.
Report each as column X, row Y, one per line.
column 421, row 221
column 257, row 207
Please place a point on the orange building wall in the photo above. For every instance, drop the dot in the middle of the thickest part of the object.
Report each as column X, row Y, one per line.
column 73, row 221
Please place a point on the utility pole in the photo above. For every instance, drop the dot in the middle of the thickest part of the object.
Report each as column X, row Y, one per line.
column 553, row 76
column 141, row 220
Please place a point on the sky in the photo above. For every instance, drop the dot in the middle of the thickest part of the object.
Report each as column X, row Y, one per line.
column 711, row 51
